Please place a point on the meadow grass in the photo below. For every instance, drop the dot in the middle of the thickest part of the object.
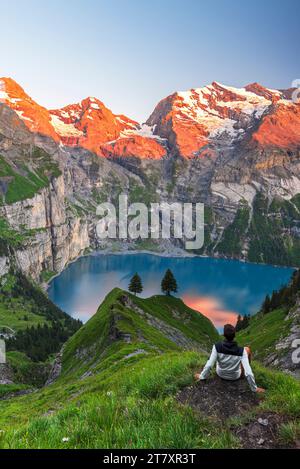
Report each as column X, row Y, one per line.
column 264, row 331
column 110, row 396
column 135, row 405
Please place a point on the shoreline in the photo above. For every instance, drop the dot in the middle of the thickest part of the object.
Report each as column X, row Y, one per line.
column 176, row 253
column 179, row 253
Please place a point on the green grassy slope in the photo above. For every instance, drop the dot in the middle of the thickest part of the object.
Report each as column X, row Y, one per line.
column 264, row 331
column 125, row 324
column 25, row 176
column 112, row 395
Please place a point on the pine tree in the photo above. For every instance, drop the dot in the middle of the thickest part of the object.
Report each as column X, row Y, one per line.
column 242, row 322
column 275, row 300
column 168, row 283
column 135, row 285
column 239, row 321
column 246, row 321
column 266, row 305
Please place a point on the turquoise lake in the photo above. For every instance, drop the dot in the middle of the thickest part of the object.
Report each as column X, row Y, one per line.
column 220, row 289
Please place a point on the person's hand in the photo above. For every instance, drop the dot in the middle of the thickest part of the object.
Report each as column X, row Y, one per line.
column 260, row 390
column 197, row 376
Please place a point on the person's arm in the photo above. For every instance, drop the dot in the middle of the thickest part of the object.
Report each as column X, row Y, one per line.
column 209, row 364
column 248, row 372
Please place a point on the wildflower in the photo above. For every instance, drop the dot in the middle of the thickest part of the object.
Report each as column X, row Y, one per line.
column 65, row 439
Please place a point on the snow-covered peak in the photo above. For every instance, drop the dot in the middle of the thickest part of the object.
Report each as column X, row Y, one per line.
column 187, row 122
column 223, row 111
column 35, row 117
column 213, row 114
column 143, row 130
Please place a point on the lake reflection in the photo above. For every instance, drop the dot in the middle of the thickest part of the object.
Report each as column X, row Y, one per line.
column 220, row 289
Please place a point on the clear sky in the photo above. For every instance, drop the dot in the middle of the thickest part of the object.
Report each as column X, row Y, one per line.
column 132, row 53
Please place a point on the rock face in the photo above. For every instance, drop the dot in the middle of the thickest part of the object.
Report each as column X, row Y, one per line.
column 56, row 368
column 6, row 374
column 136, row 146
column 57, row 222
column 237, row 150
column 4, row 265
column 287, row 350
column 57, row 239
column 281, row 127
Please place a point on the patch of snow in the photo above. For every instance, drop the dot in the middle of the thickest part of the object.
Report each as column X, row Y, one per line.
column 64, row 130
column 144, row 131
column 64, row 114
column 277, row 92
column 25, row 118
column 75, row 114
column 129, row 124
column 195, row 105
column 3, row 96
column 286, row 102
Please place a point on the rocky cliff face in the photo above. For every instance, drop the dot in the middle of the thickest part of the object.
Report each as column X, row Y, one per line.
column 285, row 355
column 54, row 219
column 56, row 238
column 235, row 150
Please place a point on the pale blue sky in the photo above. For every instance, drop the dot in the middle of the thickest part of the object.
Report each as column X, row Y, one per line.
column 132, row 53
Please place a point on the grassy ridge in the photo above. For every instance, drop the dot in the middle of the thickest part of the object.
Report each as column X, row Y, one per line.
column 110, row 396
column 94, row 340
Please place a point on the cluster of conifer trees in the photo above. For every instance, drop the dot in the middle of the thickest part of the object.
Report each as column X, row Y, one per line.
column 38, row 342
column 41, row 341
column 285, row 296
column 242, row 322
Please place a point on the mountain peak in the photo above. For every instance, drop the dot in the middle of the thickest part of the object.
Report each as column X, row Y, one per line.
column 220, row 115
column 261, row 90
column 92, row 102
column 11, row 90
column 121, row 309
column 35, row 117
column 186, row 122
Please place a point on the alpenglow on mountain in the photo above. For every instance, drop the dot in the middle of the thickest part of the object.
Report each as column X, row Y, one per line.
column 192, row 123
column 237, row 150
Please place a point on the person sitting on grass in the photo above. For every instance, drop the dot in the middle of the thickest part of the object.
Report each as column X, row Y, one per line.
column 233, row 362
